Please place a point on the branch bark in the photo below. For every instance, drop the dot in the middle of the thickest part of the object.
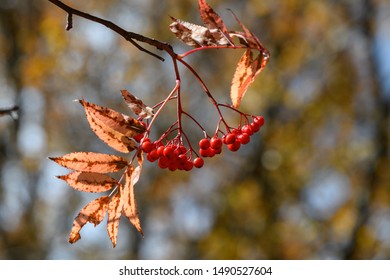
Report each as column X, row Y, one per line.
column 127, row 35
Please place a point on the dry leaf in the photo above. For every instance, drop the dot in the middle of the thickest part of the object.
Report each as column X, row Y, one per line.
column 112, row 127
column 246, row 72
column 130, row 205
column 196, row 35
column 114, row 214
column 89, row 181
column 213, row 21
column 93, row 212
column 91, row 162
column 136, row 105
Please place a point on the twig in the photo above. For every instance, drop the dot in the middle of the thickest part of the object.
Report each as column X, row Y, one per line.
column 9, row 111
column 129, row 36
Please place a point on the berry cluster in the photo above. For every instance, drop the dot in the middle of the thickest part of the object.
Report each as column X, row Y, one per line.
column 175, row 156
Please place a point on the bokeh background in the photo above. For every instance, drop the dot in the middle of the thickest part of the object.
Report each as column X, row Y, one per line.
column 313, row 184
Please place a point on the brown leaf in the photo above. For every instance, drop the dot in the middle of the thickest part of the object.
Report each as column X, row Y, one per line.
column 112, row 127
column 93, row 212
column 136, row 105
column 89, row 181
column 196, row 35
column 91, row 162
column 213, row 21
column 114, row 214
column 246, row 72
column 130, row 205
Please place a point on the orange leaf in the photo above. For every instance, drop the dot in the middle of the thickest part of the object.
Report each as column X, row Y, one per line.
column 89, row 181
column 136, row 105
column 246, row 72
column 212, row 20
column 112, row 127
column 91, row 162
column 114, row 214
column 130, row 205
column 93, row 212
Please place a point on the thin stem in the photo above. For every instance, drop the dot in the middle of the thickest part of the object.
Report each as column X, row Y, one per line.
column 129, row 36
column 208, row 48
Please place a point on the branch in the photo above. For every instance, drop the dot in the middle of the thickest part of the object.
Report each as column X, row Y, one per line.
column 129, row 36
column 9, row 111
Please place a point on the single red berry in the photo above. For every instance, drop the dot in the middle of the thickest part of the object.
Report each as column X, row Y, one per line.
column 236, row 131
column 255, row 127
column 243, row 138
column 259, row 120
column 169, row 152
column 247, row 129
column 138, row 137
column 204, row 144
column 188, row 165
column 204, row 152
column 183, row 149
column 216, row 143
column 163, row 162
column 154, row 155
column 173, row 165
column 230, row 138
column 234, row 146
column 217, row 151
column 160, row 150
column 182, row 159
column 147, row 146
column 198, row 162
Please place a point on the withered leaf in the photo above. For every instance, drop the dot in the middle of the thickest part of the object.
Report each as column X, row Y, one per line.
column 136, row 105
column 89, row 181
column 91, row 162
column 196, row 35
column 114, row 214
column 112, row 127
column 213, row 21
column 93, row 212
column 247, row 70
column 130, row 205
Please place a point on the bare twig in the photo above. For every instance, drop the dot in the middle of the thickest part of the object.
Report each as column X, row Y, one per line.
column 129, row 36
column 9, row 111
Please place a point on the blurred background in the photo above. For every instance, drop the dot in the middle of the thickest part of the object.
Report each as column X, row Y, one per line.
column 313, row 184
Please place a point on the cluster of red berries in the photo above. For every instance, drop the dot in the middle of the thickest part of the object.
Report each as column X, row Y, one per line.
column 177, row 156
column 233, row 140
column 170, row 156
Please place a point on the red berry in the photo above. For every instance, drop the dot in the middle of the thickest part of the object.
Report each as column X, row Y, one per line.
column 243, row 138
column 217, row 151
column 255, row 127
column 152, row 156
column 236, row 131
column 138, row 137
column 247, row 129
column 204, row 152
column 183, row 150
column 204, row 144
column 259, row 120
column 230, row 138
column 160, row 150
column 198, row 162
column 216, row 143
column 147, row 146
column 188, row 165
column 169, row 152
column 163, row 162
column 234, row 146
column 182, row 159
column 173, row 165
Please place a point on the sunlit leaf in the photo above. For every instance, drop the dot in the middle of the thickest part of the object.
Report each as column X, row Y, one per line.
column 89, row 181
column 114, row 214
column 213, row 21
column 93, row 212
column 91, row 162
column 130, row 205
column 136, row 105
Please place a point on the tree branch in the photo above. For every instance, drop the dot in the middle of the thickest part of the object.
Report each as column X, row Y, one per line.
column 9, row 111
column 129, row 36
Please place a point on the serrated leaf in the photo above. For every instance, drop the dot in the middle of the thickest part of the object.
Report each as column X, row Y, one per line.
column 247, row 70
column 89, row 181
column 93, row 212
column 91, row 162
column 136, row 105
column 213, row 21
column 196, row 35
column 130, row 205
column 112, row 127
column 114, row 214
